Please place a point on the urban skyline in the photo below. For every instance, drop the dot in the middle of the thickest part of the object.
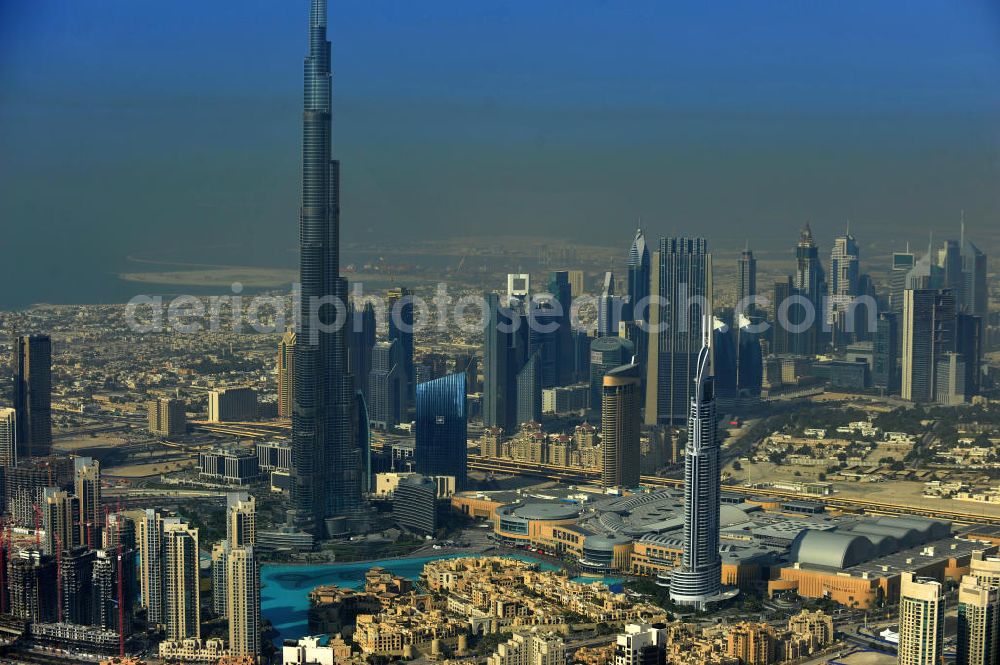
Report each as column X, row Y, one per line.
column 616, row 447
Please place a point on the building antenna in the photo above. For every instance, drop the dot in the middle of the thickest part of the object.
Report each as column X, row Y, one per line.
column 961, row 233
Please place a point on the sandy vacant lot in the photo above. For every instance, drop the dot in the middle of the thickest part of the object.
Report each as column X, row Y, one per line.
column 146, row 470
column 897, row 491
column 79, row 442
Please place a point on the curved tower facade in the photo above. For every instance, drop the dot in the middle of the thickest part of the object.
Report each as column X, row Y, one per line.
column 698, row 580
column 326, row 482
column 638, row 277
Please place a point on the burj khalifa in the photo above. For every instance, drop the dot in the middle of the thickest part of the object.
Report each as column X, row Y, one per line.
column 326, row 461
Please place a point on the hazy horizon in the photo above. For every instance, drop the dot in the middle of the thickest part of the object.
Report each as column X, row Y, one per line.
column 129, row 127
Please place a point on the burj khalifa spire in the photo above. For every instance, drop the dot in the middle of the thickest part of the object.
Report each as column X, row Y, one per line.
column 326, row 474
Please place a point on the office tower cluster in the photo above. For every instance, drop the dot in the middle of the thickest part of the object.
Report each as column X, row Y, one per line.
column 940, row 324
column 170, row 581
column 66, row 562
column 920, row 335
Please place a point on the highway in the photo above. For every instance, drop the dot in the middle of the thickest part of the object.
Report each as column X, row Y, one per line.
column 589, row 476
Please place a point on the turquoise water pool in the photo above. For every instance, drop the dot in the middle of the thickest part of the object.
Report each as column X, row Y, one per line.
column 284, row 596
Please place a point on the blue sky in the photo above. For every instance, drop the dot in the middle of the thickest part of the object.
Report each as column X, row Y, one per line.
column 130, row 124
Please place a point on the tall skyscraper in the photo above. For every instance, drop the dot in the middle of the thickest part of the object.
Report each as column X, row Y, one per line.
column 746, row 279
column 697, row 581
column 182, row 604
column 925, row 274
column 725, row 369
column 949, row 259
column 119, row 531
column 325, row 472
column 8, row 437
column 360, row 342
column 153, row 568
column 682, row 278
column 400, row 305
column 969, row 344
column 286, row 374
column 76, row 584
column 921, row 621
column 885, row 353
column 985, row 568
column 220, row 590
column 606, row 353
column 528, row 382
column 241, row 519
column 60, row 515
column 511, row 374
column 544, row 338
column 781, row 336
column 902, row 264
column 974, row 289
column 243, row 601
column 845, row 273
column 562, row 292
column 32, row 369
column 929, row 328
column 978, row 623
column 621, row 400
column 442, row 423
column 88, row 490
column 638, row 278
column 575, row 278
column 749, row 359
column 114, row 582
column 608, row 308
column 385, row 385
column 810, row 283
column 31, row 582
column 114, row 575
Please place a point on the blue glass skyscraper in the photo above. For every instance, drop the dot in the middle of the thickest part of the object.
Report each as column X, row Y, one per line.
column 442, row 421
column 326, row 474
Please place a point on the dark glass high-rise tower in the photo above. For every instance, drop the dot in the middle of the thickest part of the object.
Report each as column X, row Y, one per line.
column 442, row 421
column 32, row 370
column 746, row 281
column 360, row 342
column 682, row 279
column 326, row 464
column 638, row 277
column 560, row 289
column 810, row 284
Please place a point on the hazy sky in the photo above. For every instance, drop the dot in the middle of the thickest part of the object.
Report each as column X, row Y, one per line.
column 127, row 125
